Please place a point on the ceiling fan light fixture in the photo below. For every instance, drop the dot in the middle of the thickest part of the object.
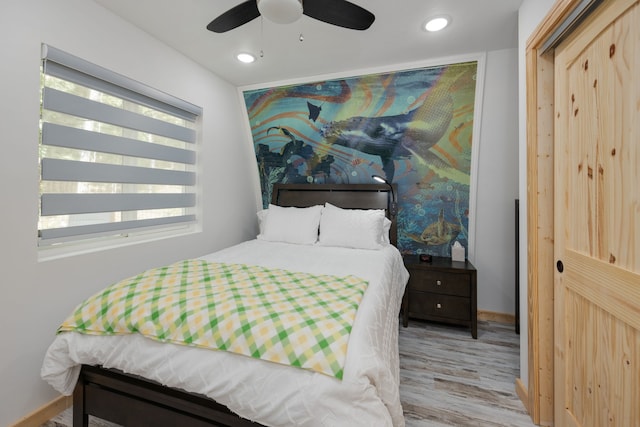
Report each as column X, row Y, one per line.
column 437, row 23
column 245, row 57
column 280, row 11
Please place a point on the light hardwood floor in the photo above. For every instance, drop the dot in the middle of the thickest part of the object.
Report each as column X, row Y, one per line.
column 447, row 378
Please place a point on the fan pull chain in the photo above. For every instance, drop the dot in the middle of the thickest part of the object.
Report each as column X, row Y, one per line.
column 301, row 37
column 261, row 35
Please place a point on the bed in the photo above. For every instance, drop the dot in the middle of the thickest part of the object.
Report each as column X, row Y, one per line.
column 134, row 381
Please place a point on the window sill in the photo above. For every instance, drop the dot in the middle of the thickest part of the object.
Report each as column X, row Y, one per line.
column 72, row 249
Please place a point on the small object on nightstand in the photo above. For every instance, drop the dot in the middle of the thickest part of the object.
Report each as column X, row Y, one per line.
column 457, row 252
column 425, row 258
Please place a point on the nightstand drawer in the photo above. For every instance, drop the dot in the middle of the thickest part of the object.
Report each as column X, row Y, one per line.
column 437, row 305
column 440, row 282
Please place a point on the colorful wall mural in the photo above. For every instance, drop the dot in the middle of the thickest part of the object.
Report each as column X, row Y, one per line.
column 413, row 127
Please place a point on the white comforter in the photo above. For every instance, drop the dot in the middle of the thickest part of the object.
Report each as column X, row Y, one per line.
column 266, row 392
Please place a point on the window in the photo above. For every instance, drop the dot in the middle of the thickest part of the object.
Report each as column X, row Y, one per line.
column 116, row 157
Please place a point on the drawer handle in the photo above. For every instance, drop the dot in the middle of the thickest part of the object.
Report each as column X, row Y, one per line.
column 438, row 282
column 438, row 306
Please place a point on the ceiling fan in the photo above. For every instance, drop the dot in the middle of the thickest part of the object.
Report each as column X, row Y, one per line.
column 336, row 12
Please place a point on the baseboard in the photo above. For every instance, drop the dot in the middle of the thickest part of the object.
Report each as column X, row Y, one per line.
column 492, row 316
column 45, row 412
column 523, row 394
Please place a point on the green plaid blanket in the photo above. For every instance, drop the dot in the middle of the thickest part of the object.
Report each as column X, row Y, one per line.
column 286, row 317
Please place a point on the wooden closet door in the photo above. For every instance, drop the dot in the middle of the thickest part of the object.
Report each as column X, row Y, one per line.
column 597, row 220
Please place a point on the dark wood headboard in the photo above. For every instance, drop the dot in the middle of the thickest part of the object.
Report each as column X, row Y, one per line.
column 347, row 196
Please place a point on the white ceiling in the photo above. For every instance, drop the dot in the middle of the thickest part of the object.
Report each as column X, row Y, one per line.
column 396, row 36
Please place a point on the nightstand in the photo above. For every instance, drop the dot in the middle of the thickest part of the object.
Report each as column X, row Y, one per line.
column 441, row 290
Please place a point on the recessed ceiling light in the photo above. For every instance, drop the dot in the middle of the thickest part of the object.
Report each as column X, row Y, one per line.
column 437, row 23
column 247, row 58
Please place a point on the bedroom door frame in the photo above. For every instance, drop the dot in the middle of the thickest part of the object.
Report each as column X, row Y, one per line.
column 538, row 395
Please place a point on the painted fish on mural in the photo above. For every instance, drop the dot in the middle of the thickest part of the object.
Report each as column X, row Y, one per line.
column 379, row 136
column 398, row 136
column 440, row 232
column 314, row 111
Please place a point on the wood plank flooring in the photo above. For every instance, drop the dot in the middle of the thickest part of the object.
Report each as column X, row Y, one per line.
column 446, row 377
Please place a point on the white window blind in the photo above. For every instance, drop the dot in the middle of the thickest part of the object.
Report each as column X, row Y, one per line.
column 116, row 156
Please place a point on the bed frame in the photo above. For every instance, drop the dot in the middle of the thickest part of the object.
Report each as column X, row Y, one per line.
column 130, row 400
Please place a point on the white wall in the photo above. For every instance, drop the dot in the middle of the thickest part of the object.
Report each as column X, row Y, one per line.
column 530, row 14
column 36, row 296
column 497, row 186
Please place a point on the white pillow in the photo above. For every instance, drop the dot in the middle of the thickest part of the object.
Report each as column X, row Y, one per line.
column 351, row 228
column 386, row 224
column 290, row 225
column 386, row 229
column 262, row 214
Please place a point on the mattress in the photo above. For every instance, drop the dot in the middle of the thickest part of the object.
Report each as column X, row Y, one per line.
column 262, row 391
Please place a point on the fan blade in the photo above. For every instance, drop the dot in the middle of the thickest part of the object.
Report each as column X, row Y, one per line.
column 235, row 17
column 339, row 12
